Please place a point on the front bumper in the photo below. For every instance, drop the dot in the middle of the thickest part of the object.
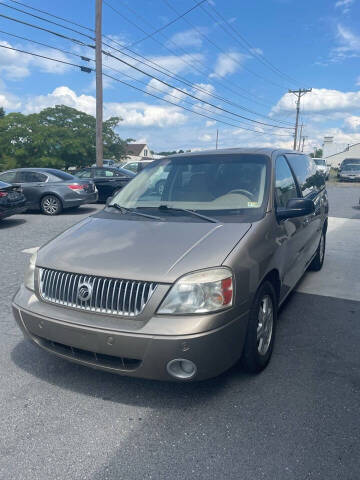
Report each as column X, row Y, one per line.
column 133, row 353
column 352, row 178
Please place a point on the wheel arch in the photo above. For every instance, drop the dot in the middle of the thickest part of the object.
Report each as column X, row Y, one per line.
column 274, row 278
column 53, row 194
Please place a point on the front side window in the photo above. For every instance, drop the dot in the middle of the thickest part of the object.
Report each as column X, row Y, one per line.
column 224, row 184
column 309, row 179
column 285, row 187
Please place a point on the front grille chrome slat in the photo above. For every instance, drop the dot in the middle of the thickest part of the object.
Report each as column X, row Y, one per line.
column 111, row 296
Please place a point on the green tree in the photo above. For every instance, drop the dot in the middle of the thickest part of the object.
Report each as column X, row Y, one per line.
column 2, row 112
column 57, row 137
column 317, row 154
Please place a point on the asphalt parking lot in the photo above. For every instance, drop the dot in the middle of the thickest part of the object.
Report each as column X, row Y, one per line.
column 297, row 420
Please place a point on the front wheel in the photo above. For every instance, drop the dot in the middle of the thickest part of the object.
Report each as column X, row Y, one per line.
column 318, row 260
column 51, row 205
column 261, row 329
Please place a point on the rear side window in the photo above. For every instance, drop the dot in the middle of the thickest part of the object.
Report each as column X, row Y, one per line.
column 30, row 177
column 84, row 174
column 62, row 175
column 285, row 187
column 8, row 177
column 308, row 177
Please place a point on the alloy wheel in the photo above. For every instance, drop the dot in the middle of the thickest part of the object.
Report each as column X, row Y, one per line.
column 50, row 205
column 265, row 324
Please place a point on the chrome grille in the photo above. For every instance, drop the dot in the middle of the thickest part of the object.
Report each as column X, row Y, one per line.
column 107, row 295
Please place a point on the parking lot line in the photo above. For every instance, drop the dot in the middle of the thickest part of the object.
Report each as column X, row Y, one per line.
column 339, row 276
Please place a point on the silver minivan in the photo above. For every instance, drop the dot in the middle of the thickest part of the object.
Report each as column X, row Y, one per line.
column 180, row 285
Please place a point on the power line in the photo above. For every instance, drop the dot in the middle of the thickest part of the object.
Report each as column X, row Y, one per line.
column 46, row 45
column 82, row 57
column 123, row 53
column 46, row 20
column 166, row 25
column 193, row 66
column 82, row 68
column 251, row 49
column 89, row 70
column 183, row 60
column 51, row 15
column 248, row 69
column 158, row 79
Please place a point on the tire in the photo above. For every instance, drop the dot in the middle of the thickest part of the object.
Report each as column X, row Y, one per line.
column 159, row 187
column 261, row 329
column 318, row 260
column 51, row 205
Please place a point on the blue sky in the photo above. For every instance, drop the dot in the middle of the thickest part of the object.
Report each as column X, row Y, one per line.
column 315, row 43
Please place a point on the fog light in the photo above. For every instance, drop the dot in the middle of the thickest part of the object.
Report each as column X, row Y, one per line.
column 181, row 368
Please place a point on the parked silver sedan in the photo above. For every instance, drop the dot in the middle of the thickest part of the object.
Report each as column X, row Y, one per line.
column 350, row 172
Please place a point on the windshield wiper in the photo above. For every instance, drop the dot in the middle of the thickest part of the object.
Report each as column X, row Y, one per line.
column 133, row 212
column 192, row 212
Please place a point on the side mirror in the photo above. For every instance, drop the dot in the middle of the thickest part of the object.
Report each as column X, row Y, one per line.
column 296, row 207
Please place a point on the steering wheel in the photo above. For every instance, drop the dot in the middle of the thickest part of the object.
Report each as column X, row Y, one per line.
column 241, row 190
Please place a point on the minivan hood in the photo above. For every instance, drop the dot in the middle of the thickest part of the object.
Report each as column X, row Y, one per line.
column 140, row 250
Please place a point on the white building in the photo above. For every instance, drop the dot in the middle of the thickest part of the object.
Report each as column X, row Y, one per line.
column 138, row 151
column 334, row 155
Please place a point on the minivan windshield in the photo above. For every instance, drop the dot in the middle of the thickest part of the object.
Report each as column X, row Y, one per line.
column 321, row 163
column 226, row 184
column 351, row 168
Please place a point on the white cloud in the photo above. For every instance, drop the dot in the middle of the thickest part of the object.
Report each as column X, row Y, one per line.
column 7, row 100
column 134, row 114
column 353, row 122
column 321, row 101
column 60, row 96
column 349, row 44
column 16, row 65
column 206, row 137
column 210, row 123
column 187, row 38
column 141, row 114
column 177, row 64
column 344, row 5
column 203, row 90
column 227, row 63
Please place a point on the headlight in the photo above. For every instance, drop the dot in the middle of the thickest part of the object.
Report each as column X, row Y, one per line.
column 30, row 273
column 200, row 292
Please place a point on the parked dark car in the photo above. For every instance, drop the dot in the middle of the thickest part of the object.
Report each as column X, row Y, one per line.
column 108, row 180
column 51, row 190
column 181, row 285
column 12, row 200
column 347, row 161
column 350, row 172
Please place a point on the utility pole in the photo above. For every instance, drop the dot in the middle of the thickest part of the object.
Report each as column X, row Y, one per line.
column 303, row 143
column 300, row 136
column 99, row 84
column 298, row 93
column 217, row 138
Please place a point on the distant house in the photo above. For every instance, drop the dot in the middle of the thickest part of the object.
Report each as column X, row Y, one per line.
column 138, row 151
column 334, row 157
